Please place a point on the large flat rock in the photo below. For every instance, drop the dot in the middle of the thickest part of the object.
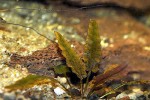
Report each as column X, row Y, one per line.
column 136, row 4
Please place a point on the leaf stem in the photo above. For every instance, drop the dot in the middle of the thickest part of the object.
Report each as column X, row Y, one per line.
column 69, row 85
column 81, row 88
column 87, row 81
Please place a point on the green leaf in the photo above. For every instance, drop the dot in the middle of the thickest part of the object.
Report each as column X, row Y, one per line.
column 93, row 47
column 30, row 81
column 72, row 59
column 61, row 69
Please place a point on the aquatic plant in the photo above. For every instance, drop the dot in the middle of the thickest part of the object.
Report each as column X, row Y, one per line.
column 82, row 67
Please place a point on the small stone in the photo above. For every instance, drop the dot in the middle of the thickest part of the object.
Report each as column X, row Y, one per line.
column 133, row 96
column 33, row 97
column 125, row 98
column 62, row 79
column 134, row 75
column 142, row 97
column 9, row 96
column 122, row 95
column 94, row 97
column 75, row 21
column 1, row 95
column 59, row 91
column 75, row 92
column 20, row 97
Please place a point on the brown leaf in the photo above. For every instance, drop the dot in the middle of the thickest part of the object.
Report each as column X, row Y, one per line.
column 108, row 74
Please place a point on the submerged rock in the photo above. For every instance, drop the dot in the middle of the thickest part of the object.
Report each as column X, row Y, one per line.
column 135, row 4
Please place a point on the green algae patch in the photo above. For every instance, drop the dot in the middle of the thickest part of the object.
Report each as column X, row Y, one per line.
column 61, row 69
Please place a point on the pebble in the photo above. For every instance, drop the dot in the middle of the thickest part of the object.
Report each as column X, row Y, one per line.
column 62, row 80
column 59, row 91
column 121, row 95
column 21, row 97
column 9, row 96
column 94, row 97
column 133, row 95
column 142, row 97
